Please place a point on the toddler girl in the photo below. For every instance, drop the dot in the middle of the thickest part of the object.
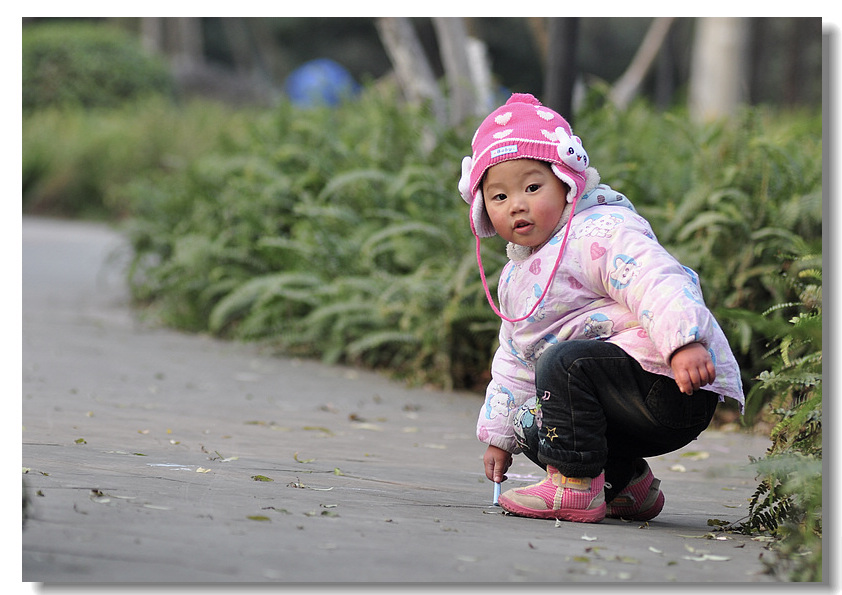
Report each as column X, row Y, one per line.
column 607, row 353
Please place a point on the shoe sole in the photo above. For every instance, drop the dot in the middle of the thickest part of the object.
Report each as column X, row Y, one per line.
column 575, row 515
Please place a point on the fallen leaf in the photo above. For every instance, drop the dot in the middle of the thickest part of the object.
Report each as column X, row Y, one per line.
column 318, row 429
column 295, row 456
column 261, row 478
column 298, row 484
column 202, row 470
column 283, row 510
column 258, row 517
column 337, row 471
column 706, row 558
column 99, row 497
column 655, row 550
column 367, row 426
column 81, row 441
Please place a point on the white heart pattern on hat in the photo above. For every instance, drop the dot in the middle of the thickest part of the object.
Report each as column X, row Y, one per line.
column 545, row 114
column 502, row 133
column 503, row 119
column 570, row 150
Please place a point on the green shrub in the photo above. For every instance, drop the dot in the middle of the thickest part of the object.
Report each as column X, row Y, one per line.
column 337, row 233
column 787, row 503
column 75, row 162
column 70, row 63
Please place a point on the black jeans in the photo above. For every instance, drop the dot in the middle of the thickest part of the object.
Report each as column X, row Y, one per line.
column 596, row 409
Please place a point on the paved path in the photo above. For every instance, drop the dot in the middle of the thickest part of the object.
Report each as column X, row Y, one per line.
column 155, row 456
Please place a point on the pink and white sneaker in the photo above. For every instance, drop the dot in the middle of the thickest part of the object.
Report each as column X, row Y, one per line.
column 641, row 500
column 558, row 497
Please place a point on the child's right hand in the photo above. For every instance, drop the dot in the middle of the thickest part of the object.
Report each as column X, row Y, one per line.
column 497, row 462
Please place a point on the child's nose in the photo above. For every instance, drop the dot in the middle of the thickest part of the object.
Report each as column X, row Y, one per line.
column 518, row 203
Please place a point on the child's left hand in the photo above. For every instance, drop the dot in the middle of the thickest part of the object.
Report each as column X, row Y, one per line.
column 693, row 367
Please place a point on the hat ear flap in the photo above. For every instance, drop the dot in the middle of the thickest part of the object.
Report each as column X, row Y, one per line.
column 574, row 186
column 480, row 222
column 465, row 180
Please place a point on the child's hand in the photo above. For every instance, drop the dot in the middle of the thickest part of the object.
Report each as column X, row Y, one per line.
column 693, row 367
column 497, row 462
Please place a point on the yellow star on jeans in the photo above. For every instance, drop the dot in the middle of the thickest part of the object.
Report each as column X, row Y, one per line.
column 551, row 433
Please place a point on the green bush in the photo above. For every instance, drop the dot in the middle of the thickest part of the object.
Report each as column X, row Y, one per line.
column 787, row 503
column 70, row 63
column 75, row 162
column 340, row 233
column 337, row 233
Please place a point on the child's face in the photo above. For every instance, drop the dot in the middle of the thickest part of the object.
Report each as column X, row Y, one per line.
column 524, row 200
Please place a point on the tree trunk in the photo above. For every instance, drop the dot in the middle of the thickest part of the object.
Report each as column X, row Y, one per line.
column 413, row 71
column 152, row 34
column 453, row 48
column 718, row 83
column 560, row 72
column 189, row 43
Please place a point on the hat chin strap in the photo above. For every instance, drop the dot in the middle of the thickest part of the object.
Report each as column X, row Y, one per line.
column 549, row 279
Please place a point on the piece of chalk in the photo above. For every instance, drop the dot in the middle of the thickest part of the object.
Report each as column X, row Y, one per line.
column 496, row 494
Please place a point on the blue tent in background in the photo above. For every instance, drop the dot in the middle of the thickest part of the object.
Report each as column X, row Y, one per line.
column 319, row 82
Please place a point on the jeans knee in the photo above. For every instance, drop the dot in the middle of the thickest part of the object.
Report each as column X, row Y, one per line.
column 564, row 354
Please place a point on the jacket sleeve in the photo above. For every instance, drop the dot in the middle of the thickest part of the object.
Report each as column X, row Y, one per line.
column 508, row 390
column 633, row 269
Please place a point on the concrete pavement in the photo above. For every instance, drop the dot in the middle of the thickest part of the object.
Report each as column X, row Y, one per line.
column 155, row 456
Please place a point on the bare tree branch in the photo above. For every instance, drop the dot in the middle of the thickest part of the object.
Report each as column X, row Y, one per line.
column 413, row 71
column 628, row 85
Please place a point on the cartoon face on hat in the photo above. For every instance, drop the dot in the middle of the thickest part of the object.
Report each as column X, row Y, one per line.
column 523, row 129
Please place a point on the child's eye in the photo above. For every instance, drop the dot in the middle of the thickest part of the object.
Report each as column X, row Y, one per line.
column 533, row 187
column 499, row 197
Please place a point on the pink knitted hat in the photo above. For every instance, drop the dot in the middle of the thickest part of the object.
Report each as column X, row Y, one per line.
column 523, row 129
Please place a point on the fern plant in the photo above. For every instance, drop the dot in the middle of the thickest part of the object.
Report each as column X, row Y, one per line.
column 788, row 501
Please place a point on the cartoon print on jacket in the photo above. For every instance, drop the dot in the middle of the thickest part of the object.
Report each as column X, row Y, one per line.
column 534, row 350
column 539, row 314
column 599, row 226
column 527, row 416
column 686, row 333
column 598, row 326
column 500, row 402
column 625, row 270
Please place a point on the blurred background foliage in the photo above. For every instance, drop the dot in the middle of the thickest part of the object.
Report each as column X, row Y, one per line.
column 334, row 229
